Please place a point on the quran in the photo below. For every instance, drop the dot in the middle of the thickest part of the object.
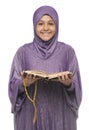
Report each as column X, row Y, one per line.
column 43, row 75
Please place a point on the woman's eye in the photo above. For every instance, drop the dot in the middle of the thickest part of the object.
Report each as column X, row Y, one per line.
column 51, row 23
column 40, row 23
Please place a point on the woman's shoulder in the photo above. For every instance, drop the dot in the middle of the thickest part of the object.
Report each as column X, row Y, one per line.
column 65, row 46
column 24, row 47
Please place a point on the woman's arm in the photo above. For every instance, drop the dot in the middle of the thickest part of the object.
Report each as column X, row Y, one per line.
column 16, row 90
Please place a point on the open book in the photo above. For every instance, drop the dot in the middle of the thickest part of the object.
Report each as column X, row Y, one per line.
column 42, row 74
column 45, row 76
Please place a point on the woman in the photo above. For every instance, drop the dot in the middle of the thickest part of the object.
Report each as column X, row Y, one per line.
column 54, row 104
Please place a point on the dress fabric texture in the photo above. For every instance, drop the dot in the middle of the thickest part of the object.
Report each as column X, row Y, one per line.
column 57, row 106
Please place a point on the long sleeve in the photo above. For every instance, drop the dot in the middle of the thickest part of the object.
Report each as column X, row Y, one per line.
column 74, row 93
column 16, row 90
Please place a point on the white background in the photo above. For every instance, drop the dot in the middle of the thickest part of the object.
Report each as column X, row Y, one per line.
column 16, row 28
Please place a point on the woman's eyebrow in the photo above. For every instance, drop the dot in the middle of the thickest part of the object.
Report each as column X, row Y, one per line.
column 43, row 21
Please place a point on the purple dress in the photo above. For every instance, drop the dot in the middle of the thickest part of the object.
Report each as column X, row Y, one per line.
column 57, row 106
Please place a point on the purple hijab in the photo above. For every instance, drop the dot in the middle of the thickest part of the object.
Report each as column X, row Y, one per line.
column 45, row 49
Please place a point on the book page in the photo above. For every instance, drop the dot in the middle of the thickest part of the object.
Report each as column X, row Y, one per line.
column 55, row 75
column 36, row 73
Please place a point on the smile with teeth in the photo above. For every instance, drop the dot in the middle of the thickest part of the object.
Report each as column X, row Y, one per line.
column 45, row 33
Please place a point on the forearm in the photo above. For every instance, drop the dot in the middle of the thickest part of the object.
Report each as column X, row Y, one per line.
column 16, row 93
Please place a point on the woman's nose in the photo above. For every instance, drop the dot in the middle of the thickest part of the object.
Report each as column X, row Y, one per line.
column 45, row 27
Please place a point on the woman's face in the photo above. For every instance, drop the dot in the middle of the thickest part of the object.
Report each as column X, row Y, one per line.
column 45, row 28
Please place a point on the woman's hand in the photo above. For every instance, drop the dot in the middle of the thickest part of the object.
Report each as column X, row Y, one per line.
column 28, row 79
column 66, row 79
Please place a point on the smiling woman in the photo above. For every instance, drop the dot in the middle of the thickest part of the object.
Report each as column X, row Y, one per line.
column 41, row 104
column 45, row 28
